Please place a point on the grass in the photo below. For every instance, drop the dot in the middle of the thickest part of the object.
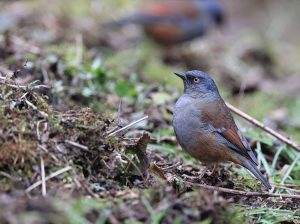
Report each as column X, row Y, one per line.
column 269, row 215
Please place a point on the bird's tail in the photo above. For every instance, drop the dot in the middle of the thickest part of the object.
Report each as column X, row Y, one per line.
column 255, row 171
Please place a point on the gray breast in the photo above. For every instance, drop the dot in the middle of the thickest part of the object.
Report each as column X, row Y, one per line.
column 186, row 121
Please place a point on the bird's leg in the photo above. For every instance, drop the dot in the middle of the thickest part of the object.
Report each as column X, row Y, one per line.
column 214, row 170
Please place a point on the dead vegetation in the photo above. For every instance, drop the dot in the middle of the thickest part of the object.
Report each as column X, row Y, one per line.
column 101, row 166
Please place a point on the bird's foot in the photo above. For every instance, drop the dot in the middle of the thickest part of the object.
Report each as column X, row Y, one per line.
column 214, row 170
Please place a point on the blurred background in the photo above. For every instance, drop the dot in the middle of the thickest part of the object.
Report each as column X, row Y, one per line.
column 99, row 53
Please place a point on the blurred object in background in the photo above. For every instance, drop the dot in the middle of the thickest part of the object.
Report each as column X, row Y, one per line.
column 172, row 22
column 278, row 119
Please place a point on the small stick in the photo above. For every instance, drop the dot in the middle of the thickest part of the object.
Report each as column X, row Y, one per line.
column 112, row 130
column 38, row 183
column 2, row 173
column 128, row 126
column 44, row 191
column 263, row 127
column 170, row 167
column 43, row 148
column 244, row 193
column 42, row 113
column 83, row 147
column 22, row 86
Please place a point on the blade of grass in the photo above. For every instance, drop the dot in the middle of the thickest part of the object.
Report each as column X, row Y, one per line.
column 156, row 216
column 263, row 159
column 276, row 156
column 290, row 169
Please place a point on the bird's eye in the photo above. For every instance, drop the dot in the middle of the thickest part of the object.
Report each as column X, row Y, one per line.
column 196, row 80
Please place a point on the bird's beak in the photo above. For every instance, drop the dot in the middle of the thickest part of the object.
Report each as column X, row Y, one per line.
column 180, row 75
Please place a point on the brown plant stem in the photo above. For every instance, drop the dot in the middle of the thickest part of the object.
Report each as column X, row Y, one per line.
column 244, row 193
column 264, row 127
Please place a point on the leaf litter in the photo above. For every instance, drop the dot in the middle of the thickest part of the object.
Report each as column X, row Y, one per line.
column 108, row 167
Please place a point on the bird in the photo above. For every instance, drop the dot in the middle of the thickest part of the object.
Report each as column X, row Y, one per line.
column 205, row 128
column 170, row 22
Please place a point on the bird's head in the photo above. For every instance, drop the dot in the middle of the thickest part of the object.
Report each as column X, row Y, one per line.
column 198, row 83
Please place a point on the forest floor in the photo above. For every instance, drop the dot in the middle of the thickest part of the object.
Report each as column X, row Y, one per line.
column 67, row 88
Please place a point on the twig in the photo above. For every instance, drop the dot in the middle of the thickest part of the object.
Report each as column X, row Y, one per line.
column 42, row 113
column 30, row 86
column 171, row 167
column 112, row 130
column 264, row 127
column 44, row 191
column 38, row 183
column 43, row 148
column 2, row 173
column 83, row 147
column 127, row 126
column 244, row 193
column 40, row 86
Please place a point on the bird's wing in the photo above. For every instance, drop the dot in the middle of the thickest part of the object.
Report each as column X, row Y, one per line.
column 237, row 144
column 218, row 115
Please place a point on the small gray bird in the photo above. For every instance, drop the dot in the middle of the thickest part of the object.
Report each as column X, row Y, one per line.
column 205, row 128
